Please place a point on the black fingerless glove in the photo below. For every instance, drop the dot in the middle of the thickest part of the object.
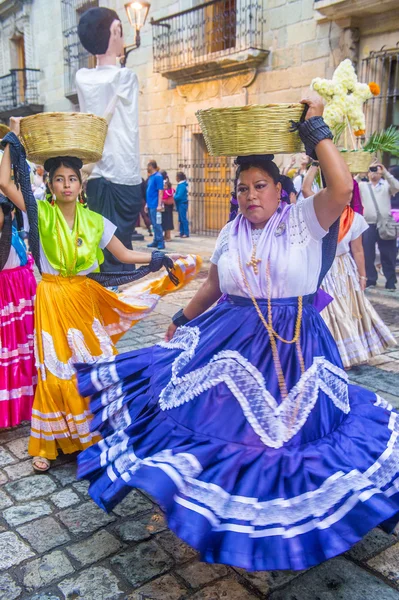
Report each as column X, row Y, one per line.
column 312, row 132
column 160, row 259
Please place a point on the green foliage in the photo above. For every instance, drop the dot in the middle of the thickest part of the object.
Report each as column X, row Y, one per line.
column 384, row 141
column 338, row 131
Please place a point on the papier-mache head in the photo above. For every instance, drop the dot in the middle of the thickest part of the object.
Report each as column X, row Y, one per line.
column 100, row 31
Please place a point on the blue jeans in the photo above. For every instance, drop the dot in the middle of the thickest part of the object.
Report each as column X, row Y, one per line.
column 182, row 208
column 158, row 233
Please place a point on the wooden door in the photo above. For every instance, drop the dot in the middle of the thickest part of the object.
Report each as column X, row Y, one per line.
column 217, row 189
column 220, row 26
column 19, row 62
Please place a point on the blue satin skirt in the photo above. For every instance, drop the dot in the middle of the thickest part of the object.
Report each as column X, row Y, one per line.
column 247, row 477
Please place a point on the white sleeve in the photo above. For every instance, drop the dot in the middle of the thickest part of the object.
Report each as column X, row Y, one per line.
column 108, row 233
column 127, row 82
column 25, row 222
column 297, row 183
column 79, row 82
column 304, row 223
column 359, row 226
column 222, row 244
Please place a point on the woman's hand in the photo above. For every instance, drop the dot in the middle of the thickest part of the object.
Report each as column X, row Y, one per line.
column 15, row 125
column 176, row 257
column 363, row 284
column 170, row 332
column 315, row 103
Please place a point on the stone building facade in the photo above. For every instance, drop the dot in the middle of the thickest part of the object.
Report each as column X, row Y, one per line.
column 196, row 55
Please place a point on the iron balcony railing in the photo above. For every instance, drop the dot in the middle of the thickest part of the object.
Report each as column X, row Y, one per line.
column 217, row 28
column 19, row 88
column 75, row 56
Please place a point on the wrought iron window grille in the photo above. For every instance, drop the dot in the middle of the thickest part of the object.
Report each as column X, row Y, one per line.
column 210, row 181
column 19, row 88
column 75, row 56
column 382, row 66
column 227, row 34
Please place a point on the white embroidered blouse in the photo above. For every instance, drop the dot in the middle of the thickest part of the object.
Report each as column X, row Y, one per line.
column 358, row 227
column 294, row 275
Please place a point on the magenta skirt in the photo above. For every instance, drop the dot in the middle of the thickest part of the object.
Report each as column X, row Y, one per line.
column 17, row 363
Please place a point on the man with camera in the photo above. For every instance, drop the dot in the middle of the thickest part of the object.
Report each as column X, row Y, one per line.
column 376, row 192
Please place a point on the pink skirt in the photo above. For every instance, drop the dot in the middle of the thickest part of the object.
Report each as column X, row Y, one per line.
column 17, row 363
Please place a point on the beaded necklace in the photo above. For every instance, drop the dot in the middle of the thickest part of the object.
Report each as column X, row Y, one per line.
column 273, row 335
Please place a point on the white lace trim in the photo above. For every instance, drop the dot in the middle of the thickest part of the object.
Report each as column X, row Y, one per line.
column 222, row 243
column 275, row 424
column 17, row 393
column 316, row 509
column 299, row 234
column 79, row 349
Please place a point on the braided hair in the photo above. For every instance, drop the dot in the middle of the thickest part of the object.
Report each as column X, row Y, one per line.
column 257, row 161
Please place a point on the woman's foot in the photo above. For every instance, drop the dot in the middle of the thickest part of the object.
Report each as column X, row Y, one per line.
column 167, row 237
column 184, row 236
column 40, row 464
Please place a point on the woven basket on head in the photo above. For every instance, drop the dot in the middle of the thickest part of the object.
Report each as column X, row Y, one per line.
column 254, row 129
column 3, row 130
column 358, row 161
column 47, row 135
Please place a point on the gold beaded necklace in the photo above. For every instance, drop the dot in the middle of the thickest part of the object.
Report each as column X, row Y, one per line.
column 273, row 335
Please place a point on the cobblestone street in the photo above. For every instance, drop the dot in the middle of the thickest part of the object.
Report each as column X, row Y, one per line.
column 55, row 544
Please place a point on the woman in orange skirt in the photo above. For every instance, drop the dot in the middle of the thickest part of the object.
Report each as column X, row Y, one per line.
column 76, row 319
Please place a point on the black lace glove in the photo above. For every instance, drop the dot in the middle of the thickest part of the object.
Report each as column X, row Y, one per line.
column 160, row 259
column 311, row 132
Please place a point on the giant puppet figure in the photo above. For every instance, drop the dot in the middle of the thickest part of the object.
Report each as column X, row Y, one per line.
column 114, row 185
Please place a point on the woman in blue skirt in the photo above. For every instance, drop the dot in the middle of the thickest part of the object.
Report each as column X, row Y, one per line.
column 242, row 424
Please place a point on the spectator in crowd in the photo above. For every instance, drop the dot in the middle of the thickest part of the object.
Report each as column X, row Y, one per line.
column 181, row 201
column 394, row 170
column 154, row 195
column 377, row 192
column 143, row 214
column 169, row 203
column 39, row 183
column 304, row 164
column 288, row 193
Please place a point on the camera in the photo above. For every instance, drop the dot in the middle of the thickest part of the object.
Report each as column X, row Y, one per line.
column 373, row 169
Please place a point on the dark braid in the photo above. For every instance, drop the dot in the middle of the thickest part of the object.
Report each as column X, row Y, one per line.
column 22, row 181
column 6, row 234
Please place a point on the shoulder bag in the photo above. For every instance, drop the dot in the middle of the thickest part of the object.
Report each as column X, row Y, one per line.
column 387, row 227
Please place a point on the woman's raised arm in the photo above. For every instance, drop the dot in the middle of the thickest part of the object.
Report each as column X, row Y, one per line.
column 330, row 202
column 7, row 185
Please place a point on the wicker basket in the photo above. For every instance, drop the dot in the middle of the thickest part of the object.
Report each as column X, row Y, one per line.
column 47, row 135
column 3, row 130
column 254, row 129
column 358, row 161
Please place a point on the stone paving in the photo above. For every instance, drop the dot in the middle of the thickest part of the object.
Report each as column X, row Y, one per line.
column 55, row 544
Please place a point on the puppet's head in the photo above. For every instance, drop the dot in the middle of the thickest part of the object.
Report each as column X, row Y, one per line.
column 100, row 32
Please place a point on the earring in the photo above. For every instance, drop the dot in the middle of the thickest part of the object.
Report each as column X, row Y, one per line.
column 80, row 197
column 53, row 199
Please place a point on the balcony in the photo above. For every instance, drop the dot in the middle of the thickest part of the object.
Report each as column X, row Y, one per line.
column 19, row 93
column 336, row 10
column 212, row 39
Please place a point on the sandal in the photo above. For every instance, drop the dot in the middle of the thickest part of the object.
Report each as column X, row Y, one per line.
column 36, row 462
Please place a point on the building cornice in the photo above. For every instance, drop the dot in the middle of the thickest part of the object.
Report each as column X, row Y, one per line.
column 9, row 7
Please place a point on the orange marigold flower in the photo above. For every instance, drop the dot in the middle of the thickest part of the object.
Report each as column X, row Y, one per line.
column 374, row 88
column 359, row 132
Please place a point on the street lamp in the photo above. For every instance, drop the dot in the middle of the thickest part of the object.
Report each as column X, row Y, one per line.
column 137, row 12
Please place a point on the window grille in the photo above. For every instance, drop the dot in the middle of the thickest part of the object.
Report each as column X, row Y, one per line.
column 75, row 56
